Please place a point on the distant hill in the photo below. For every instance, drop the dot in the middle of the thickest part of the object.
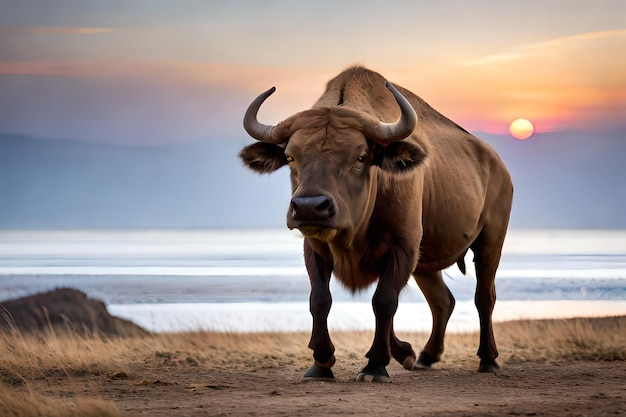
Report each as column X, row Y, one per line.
column 72, row 184
column 561, row 181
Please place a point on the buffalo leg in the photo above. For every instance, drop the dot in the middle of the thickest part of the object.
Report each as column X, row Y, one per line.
column 320, row 302
column 441, row 303
column 487, row 251
column 402, row 351
column 385, row 304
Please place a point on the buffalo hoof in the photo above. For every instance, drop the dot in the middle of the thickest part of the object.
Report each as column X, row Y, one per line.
column 420, row 366
column 318, row 373
column 488, row 367
column 363, row 377
column 409, row 362
column 376, row 375
column 425, row 361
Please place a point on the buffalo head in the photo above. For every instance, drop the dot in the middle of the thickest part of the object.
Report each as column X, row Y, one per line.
column 335, row 155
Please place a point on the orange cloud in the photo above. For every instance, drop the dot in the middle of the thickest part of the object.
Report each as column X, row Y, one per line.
column 69, row 30
column 296, row 80
column 70, row 69
column 564, row 82
column 573, row 80
column 297, row 87
column 563, row 43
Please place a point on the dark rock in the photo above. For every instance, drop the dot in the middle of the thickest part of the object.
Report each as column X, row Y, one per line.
column 63, row 310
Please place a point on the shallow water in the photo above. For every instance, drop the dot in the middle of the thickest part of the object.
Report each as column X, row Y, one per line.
column 255, row 280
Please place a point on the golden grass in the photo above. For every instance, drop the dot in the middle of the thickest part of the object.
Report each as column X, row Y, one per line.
column 580, row 339
column 30, row 362
column 21, row 404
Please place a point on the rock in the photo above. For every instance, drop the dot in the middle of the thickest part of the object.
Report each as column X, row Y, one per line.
column 63, row 310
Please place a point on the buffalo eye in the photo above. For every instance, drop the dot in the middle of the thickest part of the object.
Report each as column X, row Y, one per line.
column 358, row 166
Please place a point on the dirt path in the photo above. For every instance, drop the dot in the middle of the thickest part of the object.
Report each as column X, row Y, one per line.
column 529, row 389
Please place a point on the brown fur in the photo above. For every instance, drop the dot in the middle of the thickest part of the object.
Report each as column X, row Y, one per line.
column 413, row 207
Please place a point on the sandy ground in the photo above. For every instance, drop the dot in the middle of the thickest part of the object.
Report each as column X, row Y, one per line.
column 578, row 389
column 236, row 376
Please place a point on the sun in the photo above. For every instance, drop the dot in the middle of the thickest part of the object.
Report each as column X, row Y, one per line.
column 521, row 129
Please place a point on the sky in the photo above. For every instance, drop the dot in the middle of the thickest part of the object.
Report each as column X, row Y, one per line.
column 153, row 71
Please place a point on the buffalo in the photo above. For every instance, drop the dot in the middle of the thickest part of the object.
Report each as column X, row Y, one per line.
column 385, row 187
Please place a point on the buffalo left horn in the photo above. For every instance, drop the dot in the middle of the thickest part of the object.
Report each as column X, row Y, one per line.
column 257, row 130
column 386, row 133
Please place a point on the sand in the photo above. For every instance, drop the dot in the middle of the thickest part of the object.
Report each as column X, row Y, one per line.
column 573, row 389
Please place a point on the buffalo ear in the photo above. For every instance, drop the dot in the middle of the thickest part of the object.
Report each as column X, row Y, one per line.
column 402, row 156
column 263, row 158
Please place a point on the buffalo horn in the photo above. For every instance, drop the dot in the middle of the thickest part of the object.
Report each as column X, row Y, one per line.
column 257, row 130
column 386, row 133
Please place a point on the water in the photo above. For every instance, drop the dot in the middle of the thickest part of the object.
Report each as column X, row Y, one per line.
column 255, row 280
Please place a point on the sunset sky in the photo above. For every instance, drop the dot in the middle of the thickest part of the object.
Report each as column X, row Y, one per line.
column 159, row 71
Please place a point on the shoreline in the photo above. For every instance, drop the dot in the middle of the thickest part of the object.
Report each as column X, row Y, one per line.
column 345, row 316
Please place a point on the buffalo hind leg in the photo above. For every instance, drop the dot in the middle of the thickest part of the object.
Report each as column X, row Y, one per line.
column 487, row 251
column 320, row 302
column 402, row 351
column 441, row 303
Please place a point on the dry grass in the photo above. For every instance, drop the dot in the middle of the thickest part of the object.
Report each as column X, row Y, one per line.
column 31, row 365
column 589, row 339
column 20, row 404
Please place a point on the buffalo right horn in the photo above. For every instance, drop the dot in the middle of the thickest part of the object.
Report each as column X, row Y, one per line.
column 257, row 130
column 386, row 133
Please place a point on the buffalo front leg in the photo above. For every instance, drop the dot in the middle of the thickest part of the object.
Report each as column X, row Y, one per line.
column 385, row 304
column 441, row 303
column 320, row 302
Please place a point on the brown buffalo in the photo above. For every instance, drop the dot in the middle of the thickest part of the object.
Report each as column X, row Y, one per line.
column 385, row 187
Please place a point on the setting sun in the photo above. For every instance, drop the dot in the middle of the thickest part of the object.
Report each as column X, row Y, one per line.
column 521, row 129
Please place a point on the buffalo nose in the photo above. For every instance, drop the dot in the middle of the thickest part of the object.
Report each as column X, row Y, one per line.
column 312, row 208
